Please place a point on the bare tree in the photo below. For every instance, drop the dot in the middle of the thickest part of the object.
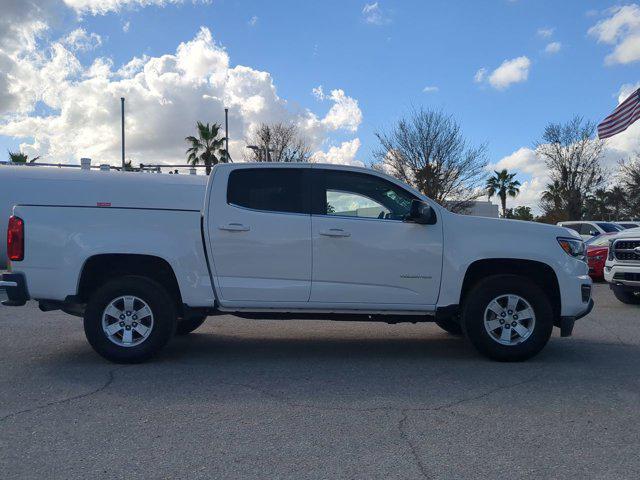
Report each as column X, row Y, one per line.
column 572, row 156
column 428, row 151
column 283, row 141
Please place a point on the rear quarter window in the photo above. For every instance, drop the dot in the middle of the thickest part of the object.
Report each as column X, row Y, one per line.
column 270, row 189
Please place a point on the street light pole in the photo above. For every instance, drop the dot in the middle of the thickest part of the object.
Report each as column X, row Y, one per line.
column 226, row 135
column 263, row 152
column 122, row 115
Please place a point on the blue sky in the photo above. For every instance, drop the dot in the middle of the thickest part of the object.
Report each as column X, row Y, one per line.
column 383, row 55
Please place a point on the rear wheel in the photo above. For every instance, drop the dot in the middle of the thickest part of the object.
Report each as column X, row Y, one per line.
column 187, row 325
column 630, row 297
column 507, row 318
column 129, row 319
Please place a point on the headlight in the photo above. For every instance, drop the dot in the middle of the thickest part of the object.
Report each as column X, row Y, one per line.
column 573, row 247
column 610, row 253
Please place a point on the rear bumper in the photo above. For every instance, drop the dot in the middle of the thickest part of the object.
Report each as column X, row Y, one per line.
column 16, row 287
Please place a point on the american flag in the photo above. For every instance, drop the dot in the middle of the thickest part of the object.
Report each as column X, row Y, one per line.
column 622, row 117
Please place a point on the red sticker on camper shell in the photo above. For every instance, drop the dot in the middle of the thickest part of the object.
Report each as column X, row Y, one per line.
column 103, row 204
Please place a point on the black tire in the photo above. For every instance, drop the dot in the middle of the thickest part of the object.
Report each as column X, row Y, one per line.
column 479, row 298
column 626, row 296
column 187, row 325
column 161, row 304
column 451, row 327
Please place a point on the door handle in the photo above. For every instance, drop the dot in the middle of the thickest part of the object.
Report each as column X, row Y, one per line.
column 234, row 227
column 335, row 232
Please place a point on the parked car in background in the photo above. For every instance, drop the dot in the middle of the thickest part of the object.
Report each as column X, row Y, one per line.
column 597, row 252
column 628, row 224
column 622, row 269
column 591, row 228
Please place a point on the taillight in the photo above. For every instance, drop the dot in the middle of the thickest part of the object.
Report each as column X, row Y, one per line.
column 15, row 239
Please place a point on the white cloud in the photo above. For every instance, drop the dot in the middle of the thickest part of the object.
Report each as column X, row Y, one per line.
column 318, row 92
column 253, row 21
column 553, row 47
column 545, row 32
column 621, row 29
column 80, row 40
column 126, row 26
column 509, row 72
column 345, row 154
column 480, row 75
column 522, row 160
column 165, row 97
column 431, row 89
column 343, row 114
column 100, row 7
column 373, row 14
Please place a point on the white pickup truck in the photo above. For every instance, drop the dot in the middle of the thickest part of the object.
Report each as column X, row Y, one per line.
column 622, row 269
column 140, row 264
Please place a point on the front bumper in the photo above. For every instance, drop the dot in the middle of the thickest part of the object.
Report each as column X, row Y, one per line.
column 566, row 323
column 623, row 274
column 16, row 287
column 582, row 305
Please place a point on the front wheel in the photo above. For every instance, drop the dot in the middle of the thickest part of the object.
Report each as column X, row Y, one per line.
column 629, row 297
column 129, row 319
column 507, row 318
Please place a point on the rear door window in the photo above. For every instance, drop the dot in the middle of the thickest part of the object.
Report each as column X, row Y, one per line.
column 270, row 189
column 588, row 229
column 572, row 226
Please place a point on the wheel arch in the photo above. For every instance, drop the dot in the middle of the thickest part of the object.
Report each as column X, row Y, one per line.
column 101, row 268
column 541, row 273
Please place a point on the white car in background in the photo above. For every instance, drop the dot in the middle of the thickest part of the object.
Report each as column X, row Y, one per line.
column 628, row 224
column 592, row 228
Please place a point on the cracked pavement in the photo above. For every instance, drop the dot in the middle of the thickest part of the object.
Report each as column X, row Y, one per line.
column 244, row 399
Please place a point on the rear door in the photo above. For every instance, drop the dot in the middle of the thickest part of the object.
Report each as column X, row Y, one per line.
column 260, row 234
column 364, row 254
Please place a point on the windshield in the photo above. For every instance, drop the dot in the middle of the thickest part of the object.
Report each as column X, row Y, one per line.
column 600, row 240
column 609, row 227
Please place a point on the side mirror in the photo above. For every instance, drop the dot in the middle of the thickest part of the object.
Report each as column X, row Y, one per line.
column 422, row 213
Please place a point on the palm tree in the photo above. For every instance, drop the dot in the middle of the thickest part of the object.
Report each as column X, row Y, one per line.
column 503, row 185
column 19, row 157
column 601, row 203
column 554, row 195
column 617, row 200
column 207, row 146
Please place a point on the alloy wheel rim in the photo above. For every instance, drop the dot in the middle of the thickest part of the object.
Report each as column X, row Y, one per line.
column 509, row 319
column 127, row 321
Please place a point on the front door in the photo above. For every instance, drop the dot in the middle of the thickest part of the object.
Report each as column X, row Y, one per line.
column 260, row 235
column 364, row 254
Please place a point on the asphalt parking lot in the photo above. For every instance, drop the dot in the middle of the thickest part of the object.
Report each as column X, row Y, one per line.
column 304, row 399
